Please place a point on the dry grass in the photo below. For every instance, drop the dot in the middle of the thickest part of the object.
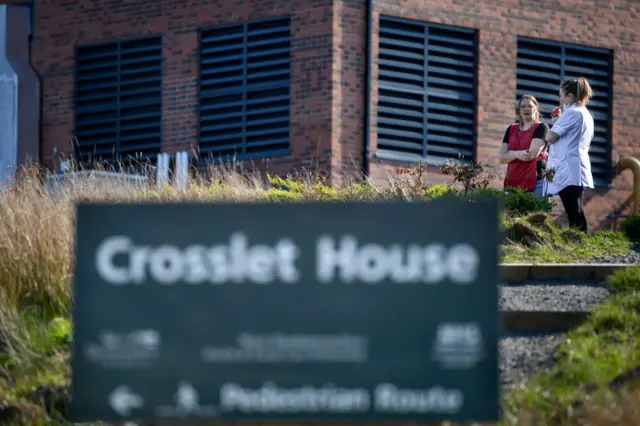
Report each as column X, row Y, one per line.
column 36, row 234
column 607, row 409
column 36, row 263
column 37, row 228
column 618, row 410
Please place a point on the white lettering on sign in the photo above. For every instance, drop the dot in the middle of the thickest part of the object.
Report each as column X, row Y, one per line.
column 271, row 398
column 385, row 398
column 340, row 260
column 236, row 262
column 390, row 399
column 373, row 263
column 277, row 347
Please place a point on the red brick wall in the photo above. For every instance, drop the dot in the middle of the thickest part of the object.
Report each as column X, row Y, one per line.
column 349, row 73
column 613, row 24
column 60, row 25
column 328, row 69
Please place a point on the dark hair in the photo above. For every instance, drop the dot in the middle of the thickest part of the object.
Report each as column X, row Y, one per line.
column 579, row 88
column 536, row 117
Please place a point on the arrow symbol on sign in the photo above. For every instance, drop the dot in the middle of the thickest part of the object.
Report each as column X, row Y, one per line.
column 122, row 400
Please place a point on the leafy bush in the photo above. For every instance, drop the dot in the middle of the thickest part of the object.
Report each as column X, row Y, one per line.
column 60, row 332
column 625, row 280
column 488, row 192
column 630, row 226
column 410, row 183
column 289, row 184
column 525, row 202
column 472, row 176
column 441, row 190
column 282, row 195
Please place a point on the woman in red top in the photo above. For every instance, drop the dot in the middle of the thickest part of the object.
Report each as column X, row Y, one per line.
column 523, row 148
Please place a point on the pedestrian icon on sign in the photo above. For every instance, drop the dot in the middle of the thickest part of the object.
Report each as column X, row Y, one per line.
column 186, row 398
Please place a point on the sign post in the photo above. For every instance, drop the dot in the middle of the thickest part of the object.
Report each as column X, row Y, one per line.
column 286, row 311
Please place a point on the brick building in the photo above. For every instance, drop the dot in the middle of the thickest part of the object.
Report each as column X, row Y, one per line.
column 309, row 83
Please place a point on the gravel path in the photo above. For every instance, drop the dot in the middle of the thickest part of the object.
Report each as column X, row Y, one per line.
column 633, row 257
column 553, row 297
column 523, row 357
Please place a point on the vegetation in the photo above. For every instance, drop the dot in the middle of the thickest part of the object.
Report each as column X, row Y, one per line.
column 626, row 281
column 36, row 260
column 630, row 226
column 597, row 369
column 535, row 238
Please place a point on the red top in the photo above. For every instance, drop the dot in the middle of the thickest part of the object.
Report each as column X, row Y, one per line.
column 522, row 174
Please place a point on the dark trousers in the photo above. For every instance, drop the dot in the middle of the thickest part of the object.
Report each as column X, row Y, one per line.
column 573, row 201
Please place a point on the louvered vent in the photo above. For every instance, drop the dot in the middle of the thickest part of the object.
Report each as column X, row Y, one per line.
column 544, row 65
column 119, row 101
column 244, row 89
column 427, row 91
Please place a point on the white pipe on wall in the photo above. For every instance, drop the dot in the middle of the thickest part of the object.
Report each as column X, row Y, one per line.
column 19, row 94
column 182, row 170
column 185, row 169
column 162, row 171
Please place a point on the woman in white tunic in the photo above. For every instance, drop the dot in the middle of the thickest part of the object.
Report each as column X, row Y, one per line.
column 569, row 140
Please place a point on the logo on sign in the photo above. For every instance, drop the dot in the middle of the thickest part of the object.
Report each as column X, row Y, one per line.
column 458, row 345
column 187, row 403
column 133, row 350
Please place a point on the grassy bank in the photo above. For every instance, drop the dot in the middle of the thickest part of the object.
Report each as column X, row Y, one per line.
column 36, row 241
column 597, row 372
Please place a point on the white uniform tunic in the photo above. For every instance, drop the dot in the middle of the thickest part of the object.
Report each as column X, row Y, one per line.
column 570, row 154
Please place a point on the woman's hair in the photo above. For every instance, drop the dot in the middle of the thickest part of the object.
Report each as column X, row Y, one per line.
column 580, row 89
column 536, row 113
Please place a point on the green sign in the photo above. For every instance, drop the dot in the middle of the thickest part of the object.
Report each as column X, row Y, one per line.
column 284, row 311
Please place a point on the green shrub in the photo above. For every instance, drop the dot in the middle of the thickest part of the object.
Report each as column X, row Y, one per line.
column 525, row 202
column 624, row 281
column 630, row 226
column 488, row 192
column 290, row 184
column 60, row 331
column 441, row 190
column 281, row 195
column 363, row 191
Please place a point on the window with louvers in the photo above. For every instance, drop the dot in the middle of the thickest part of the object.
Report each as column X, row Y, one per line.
column 244, row 90
column 427, row 91
column 544, row 65
column 119, row 101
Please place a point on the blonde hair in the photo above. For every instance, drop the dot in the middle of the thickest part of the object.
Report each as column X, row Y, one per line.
column 579, row 88
column 536, row 113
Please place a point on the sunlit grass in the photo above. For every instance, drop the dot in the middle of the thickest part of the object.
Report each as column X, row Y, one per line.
column 36, row 267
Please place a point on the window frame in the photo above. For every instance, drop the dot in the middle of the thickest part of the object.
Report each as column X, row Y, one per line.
column 134, row 164
column 207, row 156
column 390, row 154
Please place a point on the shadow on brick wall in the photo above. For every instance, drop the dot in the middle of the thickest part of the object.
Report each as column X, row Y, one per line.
column 612, row 219
column 609, row 222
